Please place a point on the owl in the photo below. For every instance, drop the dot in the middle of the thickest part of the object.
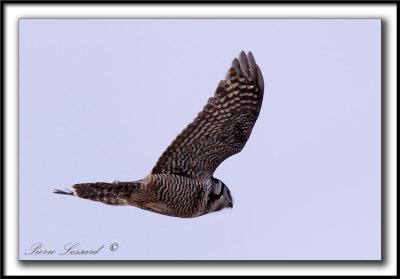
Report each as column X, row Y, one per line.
column 181, row 184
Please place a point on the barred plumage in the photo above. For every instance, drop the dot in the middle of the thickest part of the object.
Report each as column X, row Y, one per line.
column 222, row 128
column 181, row 184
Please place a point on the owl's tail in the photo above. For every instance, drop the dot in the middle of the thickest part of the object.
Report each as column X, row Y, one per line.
column 117, row 193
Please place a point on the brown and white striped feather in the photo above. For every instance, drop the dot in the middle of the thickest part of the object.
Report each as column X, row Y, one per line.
column 108, row 193
column 222, row 128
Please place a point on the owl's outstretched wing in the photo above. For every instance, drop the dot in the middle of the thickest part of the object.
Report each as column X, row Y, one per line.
column 222, row 128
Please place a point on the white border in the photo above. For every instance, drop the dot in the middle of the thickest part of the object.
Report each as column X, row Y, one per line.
column 13, row 12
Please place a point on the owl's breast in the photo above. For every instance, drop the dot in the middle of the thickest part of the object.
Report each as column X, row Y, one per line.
column 174, row 195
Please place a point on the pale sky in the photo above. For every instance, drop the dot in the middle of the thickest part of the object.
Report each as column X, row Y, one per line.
column 100, row 100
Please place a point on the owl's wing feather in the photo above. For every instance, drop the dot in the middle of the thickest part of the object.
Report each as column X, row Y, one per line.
column 222, row 128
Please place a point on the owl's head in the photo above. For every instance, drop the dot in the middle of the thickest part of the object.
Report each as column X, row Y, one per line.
column 219, row 196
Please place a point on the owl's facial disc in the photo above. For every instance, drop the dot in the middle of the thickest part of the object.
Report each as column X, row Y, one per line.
column 219, row 197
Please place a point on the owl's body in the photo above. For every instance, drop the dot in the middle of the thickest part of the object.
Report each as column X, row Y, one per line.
column 167, row 194
column 182, row 183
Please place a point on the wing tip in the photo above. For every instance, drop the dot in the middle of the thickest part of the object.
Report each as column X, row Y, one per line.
column 249, row 67
column 244, row 63
column 260, row 79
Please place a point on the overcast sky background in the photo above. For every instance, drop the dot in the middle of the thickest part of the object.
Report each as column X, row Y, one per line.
column 100, row 100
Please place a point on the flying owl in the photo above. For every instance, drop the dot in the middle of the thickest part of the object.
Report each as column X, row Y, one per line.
column 182, row 184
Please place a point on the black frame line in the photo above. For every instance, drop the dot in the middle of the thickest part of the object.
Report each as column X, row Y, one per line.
column 198, row 263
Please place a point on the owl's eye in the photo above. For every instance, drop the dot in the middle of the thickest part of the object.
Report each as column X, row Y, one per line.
column 182, row 181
